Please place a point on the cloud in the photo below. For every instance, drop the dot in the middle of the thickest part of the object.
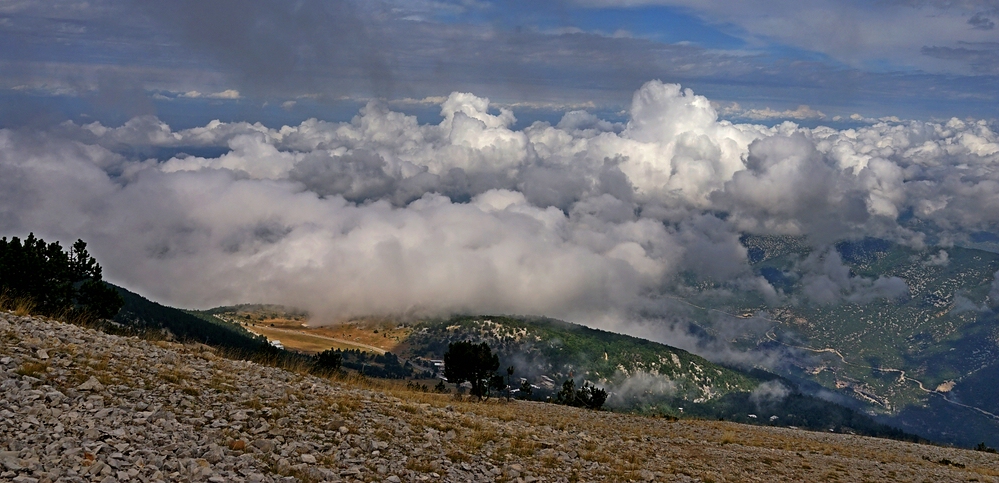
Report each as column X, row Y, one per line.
column 264, row 45
column 982, row 57
column 226, row 94
column 827, row 280
column 769, row 392
column 113, row 54
column 638, row 388
column 856, row 34
column 981, row 22
column 941, row 259
column 803, row 112
column 584, row 219
column 963, row 304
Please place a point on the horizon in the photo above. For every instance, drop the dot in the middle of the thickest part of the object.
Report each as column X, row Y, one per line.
column 810, row 62
column 574, row 160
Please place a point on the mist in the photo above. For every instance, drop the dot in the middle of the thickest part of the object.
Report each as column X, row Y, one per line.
column 586, row 220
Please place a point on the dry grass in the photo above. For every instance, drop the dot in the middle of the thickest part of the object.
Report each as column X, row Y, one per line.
column 222, row 381
column 292, row 331
column 174, row 375
column 24, row 306
column 419, row 465
column 523, row 447
column 457, row 456
column 20, row 306
column 33, row 369
column 299, row 341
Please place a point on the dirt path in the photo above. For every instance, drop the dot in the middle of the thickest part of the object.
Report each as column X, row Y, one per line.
column 331, row 339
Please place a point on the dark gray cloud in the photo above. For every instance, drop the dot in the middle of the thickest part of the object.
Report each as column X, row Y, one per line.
column 981, row 22
column 982, row 57
column 288, row 45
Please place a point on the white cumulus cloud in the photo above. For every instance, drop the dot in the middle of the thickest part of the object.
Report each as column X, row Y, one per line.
column 585, row 219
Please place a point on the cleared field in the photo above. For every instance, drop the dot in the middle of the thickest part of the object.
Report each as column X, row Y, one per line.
column 305, row 342
column 371, row 335
column 382, row 335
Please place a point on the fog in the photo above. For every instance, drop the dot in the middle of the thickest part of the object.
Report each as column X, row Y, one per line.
column 585, row 220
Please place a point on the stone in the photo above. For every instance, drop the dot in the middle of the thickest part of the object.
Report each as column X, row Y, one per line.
column 10, row 461
column 214, row 454
column 264, row 445
column 91, row 384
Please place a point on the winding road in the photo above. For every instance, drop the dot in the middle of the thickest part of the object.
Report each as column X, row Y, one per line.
column 902, row 376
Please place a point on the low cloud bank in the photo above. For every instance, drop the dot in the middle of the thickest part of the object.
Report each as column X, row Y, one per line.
column 586, row 220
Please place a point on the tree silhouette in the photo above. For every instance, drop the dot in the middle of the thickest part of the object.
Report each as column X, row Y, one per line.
column 54, row 280
column 473, row 363
column 327, row 362
column 588, row 396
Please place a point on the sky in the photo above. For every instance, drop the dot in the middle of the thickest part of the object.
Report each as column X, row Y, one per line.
column 259, row 60
column 581, row 160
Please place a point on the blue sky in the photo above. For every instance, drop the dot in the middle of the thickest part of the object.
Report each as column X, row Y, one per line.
column 276, row 62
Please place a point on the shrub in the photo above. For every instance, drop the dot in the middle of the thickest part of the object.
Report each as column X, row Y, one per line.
column 982, row 447
column 588, row 396
column 327, row 362
column 441, row 388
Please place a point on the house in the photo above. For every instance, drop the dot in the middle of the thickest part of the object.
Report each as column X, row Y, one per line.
column 547, row 382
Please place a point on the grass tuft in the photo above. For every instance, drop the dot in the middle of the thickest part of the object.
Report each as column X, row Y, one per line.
column 33, row 369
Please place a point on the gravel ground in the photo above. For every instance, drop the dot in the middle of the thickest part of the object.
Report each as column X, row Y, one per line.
column 81, row 405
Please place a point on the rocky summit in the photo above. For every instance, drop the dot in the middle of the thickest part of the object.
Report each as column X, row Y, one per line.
column 82, row 405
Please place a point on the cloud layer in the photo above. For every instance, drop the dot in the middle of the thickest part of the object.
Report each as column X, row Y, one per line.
column 587, row 220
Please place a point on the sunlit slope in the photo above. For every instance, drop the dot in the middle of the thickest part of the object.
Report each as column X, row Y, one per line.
column 556, row 349
column 640, row 375
column 294, row 329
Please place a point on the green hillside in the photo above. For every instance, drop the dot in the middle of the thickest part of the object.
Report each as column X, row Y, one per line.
column 923, row 362
column 640, row 375
column 555, row 349
column 141, row 313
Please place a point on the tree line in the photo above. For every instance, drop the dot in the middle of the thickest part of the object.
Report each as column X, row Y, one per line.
column 476, row 364
column 54, row 281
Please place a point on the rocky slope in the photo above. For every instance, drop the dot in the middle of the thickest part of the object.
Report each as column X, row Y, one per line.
column 80, row 405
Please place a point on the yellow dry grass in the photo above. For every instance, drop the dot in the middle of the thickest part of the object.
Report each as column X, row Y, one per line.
column 300, row 341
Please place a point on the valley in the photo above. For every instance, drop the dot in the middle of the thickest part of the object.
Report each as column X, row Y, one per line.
column 902, row 359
